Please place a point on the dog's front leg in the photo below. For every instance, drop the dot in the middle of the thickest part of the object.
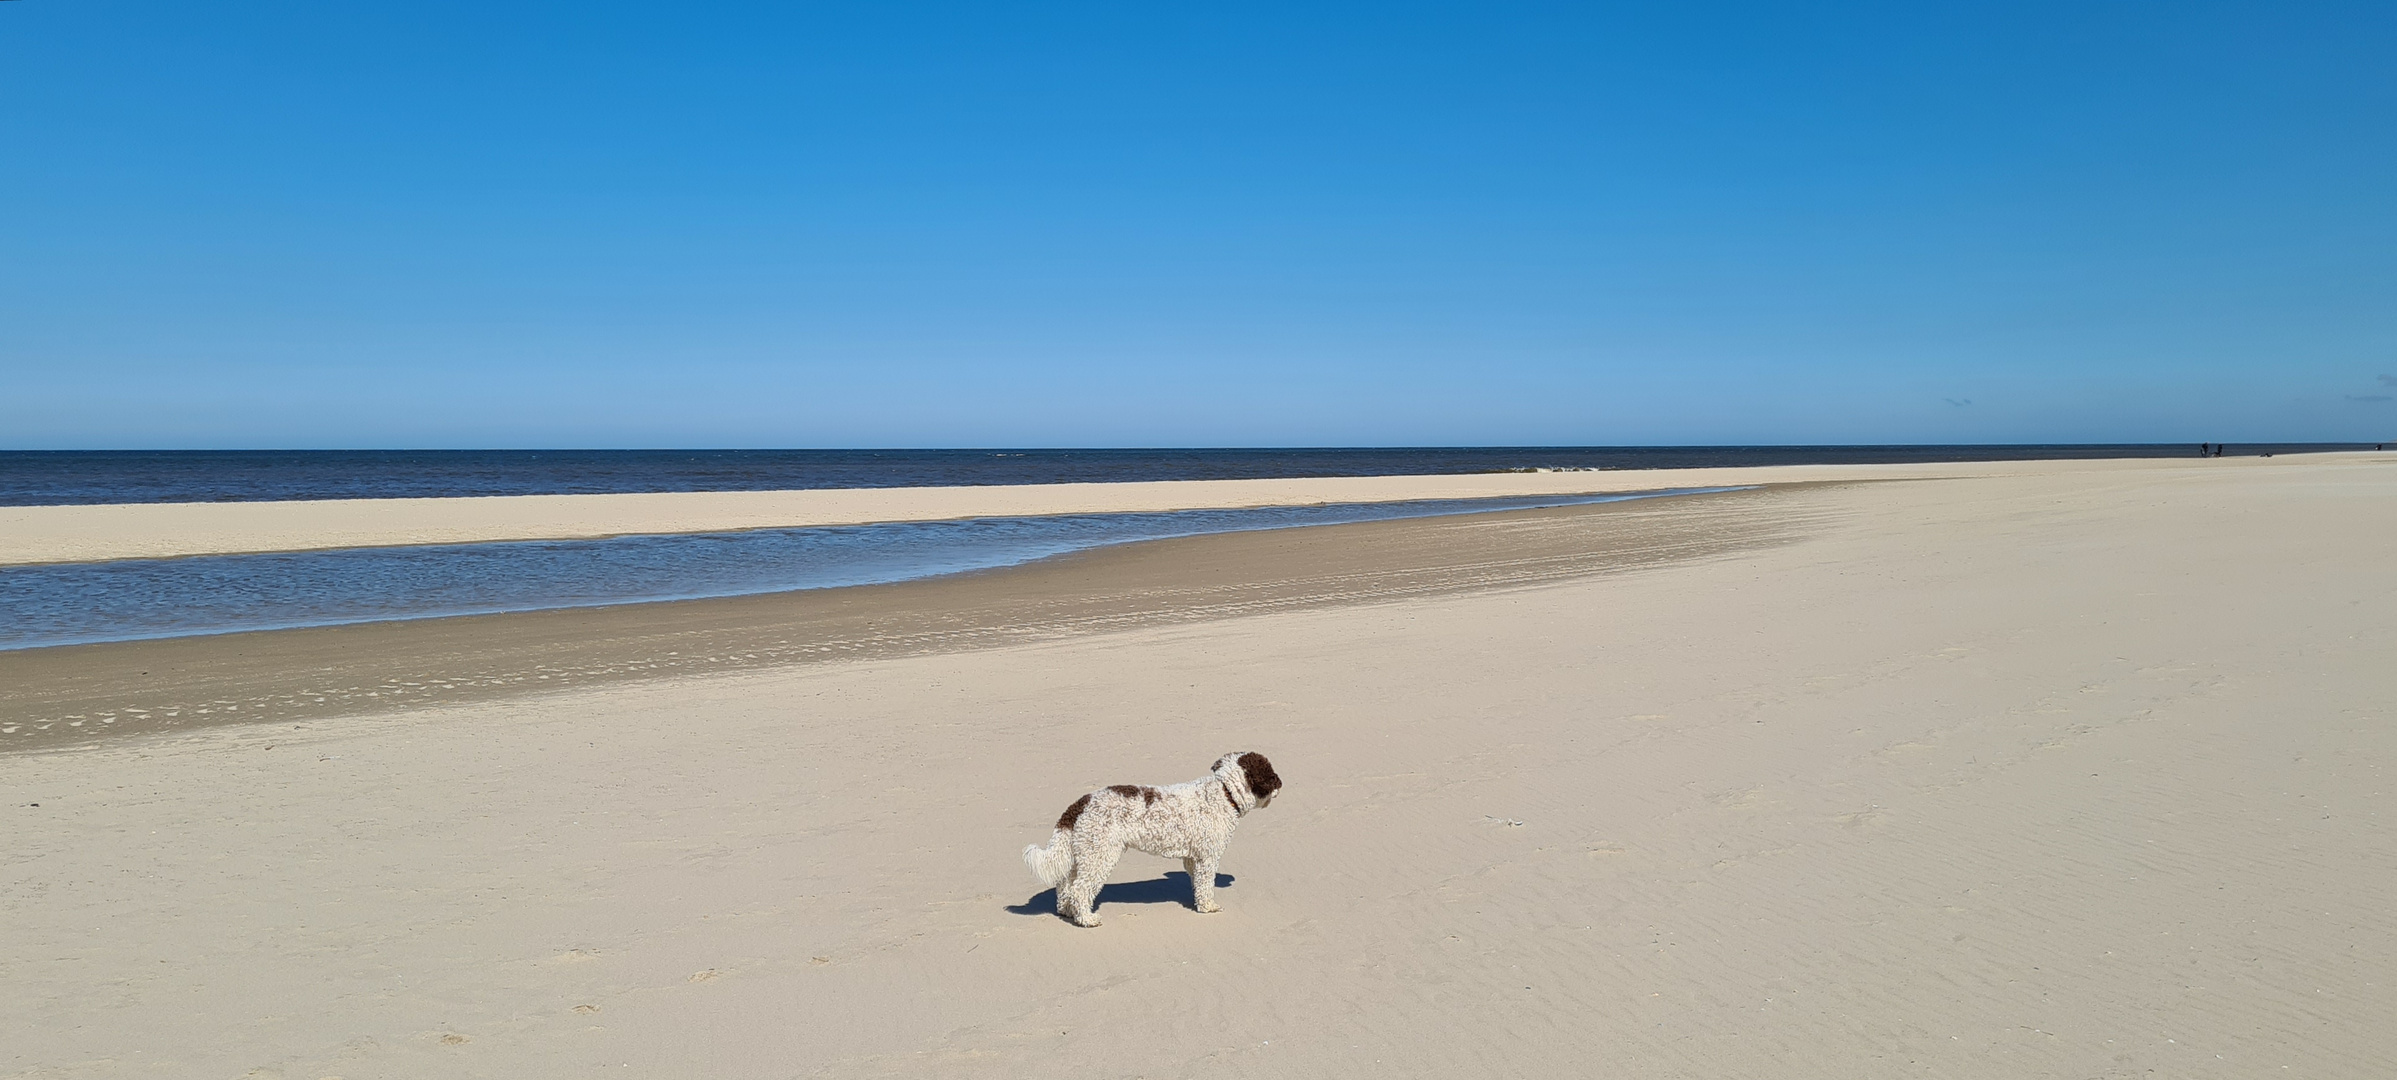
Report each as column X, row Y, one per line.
column 1202, row 881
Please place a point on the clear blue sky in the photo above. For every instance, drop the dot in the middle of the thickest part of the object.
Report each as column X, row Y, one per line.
column 604, row 224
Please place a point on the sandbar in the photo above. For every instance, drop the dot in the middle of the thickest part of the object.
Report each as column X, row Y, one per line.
column 51, row 534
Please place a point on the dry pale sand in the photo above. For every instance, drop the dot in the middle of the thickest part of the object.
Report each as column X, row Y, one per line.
column 52, row 534
column 2082, row 773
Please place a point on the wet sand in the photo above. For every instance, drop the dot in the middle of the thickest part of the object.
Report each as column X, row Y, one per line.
column 78, row 693
column 2077, row 773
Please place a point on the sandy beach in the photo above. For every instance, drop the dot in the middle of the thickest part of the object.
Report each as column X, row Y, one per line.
column 2032, row 769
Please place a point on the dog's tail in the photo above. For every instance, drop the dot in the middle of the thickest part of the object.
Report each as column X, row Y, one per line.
column 1054, row 863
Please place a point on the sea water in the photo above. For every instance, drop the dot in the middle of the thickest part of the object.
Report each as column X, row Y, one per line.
column 40, row 478
column 74, row 603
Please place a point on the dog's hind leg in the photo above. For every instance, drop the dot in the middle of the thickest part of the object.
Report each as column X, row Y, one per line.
column 1092, row 863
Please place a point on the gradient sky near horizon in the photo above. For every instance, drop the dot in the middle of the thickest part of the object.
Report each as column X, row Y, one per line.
column 601, row 224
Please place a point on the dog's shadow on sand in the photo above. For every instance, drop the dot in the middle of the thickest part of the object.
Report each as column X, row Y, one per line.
column 1173, row 888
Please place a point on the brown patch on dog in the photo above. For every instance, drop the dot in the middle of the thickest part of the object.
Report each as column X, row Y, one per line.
column 1260, row 775
column 1125, row 790
column 1150, row 795
column 1065, row 821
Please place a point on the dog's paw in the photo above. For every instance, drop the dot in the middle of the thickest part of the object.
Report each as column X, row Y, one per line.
column 1085, row 920
column 1208, row 908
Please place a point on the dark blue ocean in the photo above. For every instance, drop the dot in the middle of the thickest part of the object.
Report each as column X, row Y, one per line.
column 43, row 478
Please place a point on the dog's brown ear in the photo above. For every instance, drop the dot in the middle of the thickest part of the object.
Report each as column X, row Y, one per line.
column 1261, row 779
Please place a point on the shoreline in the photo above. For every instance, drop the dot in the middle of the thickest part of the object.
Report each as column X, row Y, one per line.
column 40, row 535
column 558, row 575
column 71, row 694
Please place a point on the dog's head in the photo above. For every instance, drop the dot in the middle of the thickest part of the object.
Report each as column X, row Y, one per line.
column 1249, row 772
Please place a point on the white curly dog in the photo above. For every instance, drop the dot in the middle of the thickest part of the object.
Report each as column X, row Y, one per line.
column 1191, row 822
